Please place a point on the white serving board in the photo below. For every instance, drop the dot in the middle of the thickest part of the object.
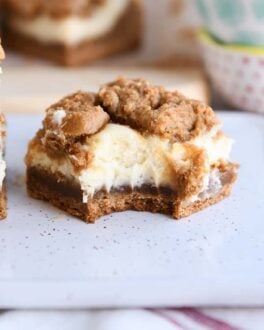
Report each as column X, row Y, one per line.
column 215, row 257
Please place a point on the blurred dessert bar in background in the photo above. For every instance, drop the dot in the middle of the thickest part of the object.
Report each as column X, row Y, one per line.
column 2, row 150
column 72, row 32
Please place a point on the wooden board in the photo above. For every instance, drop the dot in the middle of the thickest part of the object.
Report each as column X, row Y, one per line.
column 31, row 86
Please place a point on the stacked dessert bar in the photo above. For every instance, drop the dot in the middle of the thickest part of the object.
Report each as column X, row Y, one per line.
column 72, row 32
column 133, row 146
column 2, row 150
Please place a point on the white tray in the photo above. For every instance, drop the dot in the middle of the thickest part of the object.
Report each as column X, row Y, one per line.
column 215, row 257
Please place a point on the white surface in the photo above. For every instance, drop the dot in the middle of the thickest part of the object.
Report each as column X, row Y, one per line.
column 215, row 257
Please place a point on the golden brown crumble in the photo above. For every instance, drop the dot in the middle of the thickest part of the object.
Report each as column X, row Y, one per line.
column 149, row 109
column 56, row 9
column 80, row 117
column 154, row 110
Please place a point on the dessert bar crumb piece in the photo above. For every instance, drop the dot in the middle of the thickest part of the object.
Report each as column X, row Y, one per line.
column 155, row 110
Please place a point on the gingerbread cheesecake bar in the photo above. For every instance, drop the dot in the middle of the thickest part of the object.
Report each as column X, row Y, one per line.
column 2, row 150
column 130, row 146
column 72, row 32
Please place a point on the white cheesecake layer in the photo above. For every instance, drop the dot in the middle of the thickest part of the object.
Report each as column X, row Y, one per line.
column 124, row 157
column 2, row 171
column 73, row 29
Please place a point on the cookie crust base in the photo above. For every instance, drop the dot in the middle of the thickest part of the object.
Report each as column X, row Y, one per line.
column 124, row 36
column 67, row 196
column 3, row 202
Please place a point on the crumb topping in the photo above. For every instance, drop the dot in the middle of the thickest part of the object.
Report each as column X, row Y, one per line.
column 70, row 121
column 151, row 110
column 57, row 9
column 154, row 110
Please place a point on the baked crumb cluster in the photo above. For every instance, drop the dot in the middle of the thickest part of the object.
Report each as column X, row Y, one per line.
column 71, row 119
column 56, row 9
column 154, row 110
column 136, row 103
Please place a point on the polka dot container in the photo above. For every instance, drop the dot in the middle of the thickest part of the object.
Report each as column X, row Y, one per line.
column 234, row 21
column 236, row 72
